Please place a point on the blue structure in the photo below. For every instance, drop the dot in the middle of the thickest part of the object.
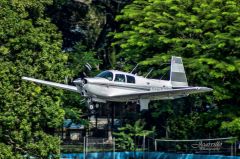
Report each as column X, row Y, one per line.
column 143, row 155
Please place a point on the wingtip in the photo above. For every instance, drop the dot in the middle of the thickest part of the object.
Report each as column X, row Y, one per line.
column 207, row 89
column 24, row 78
column 204, row 89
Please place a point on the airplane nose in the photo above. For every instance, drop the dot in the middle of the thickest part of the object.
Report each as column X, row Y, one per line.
column 80, row 85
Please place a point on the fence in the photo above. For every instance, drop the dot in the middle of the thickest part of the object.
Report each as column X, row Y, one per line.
column 102, row 145
column 148, row 148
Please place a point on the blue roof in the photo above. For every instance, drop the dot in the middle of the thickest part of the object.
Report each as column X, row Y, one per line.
column 70, row 125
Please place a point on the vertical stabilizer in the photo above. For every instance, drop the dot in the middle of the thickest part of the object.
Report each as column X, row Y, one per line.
column 177, row 75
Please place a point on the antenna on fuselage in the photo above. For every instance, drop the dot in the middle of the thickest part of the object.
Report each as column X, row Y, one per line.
column 163, row 75
column 166, row 71
column 149, row 72
column 134, row 68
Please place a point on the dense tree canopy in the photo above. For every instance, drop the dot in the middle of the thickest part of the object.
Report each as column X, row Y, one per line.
column 30, row 45
column 205, row 33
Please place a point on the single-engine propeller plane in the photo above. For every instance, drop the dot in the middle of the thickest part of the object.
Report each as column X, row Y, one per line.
column 120, row 86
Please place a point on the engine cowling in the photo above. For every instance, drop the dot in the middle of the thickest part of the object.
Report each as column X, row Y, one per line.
column 80, row 85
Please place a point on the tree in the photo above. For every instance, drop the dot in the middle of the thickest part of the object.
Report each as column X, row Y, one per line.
column 206, row 37
column 30, row 45
column 89, row 23
column 83, row 60
column 126, row 138
column 205, row 33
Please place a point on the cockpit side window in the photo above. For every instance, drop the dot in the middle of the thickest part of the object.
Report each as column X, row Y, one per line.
column 119, row 78
column 106, row 74
column 130, row 79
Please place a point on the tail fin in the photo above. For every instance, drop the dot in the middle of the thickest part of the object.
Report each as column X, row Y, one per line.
column 177, row 75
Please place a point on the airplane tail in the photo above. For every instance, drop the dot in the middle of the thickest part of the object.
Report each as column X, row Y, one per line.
column 177, row 75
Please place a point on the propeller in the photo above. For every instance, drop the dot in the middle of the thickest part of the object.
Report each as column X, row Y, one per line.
column 80, row 85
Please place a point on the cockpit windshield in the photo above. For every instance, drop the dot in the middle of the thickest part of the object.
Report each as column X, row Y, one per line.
column 106, row 74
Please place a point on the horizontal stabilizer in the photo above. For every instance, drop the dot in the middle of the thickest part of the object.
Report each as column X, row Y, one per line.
column 53, row 84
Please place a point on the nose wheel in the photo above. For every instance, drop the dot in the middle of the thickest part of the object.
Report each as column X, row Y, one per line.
column 92, row 108
column 93, row 113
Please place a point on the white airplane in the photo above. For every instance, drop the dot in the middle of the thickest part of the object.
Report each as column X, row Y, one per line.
column 120, row 86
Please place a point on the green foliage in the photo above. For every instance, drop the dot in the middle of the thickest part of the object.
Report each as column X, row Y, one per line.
column 206, row 35
column 30, row 45
column 6, row 152
column 126, row 137
column 80, row 57
column 184, row 127
column 232, row 127
column 124, row 141
column 38, row 146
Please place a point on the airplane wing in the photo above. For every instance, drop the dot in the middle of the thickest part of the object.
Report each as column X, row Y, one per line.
column 171, row 93
column 53, row 84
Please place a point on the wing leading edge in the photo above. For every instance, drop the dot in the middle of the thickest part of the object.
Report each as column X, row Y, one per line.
column 54, row 84
column 162, row 94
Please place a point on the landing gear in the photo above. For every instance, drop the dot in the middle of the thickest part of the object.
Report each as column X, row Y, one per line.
column 92, row 106
column 93, row 109
column 105, row 123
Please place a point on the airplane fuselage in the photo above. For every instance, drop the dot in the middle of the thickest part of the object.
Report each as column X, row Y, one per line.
column 120, row 86
column 102, row 88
